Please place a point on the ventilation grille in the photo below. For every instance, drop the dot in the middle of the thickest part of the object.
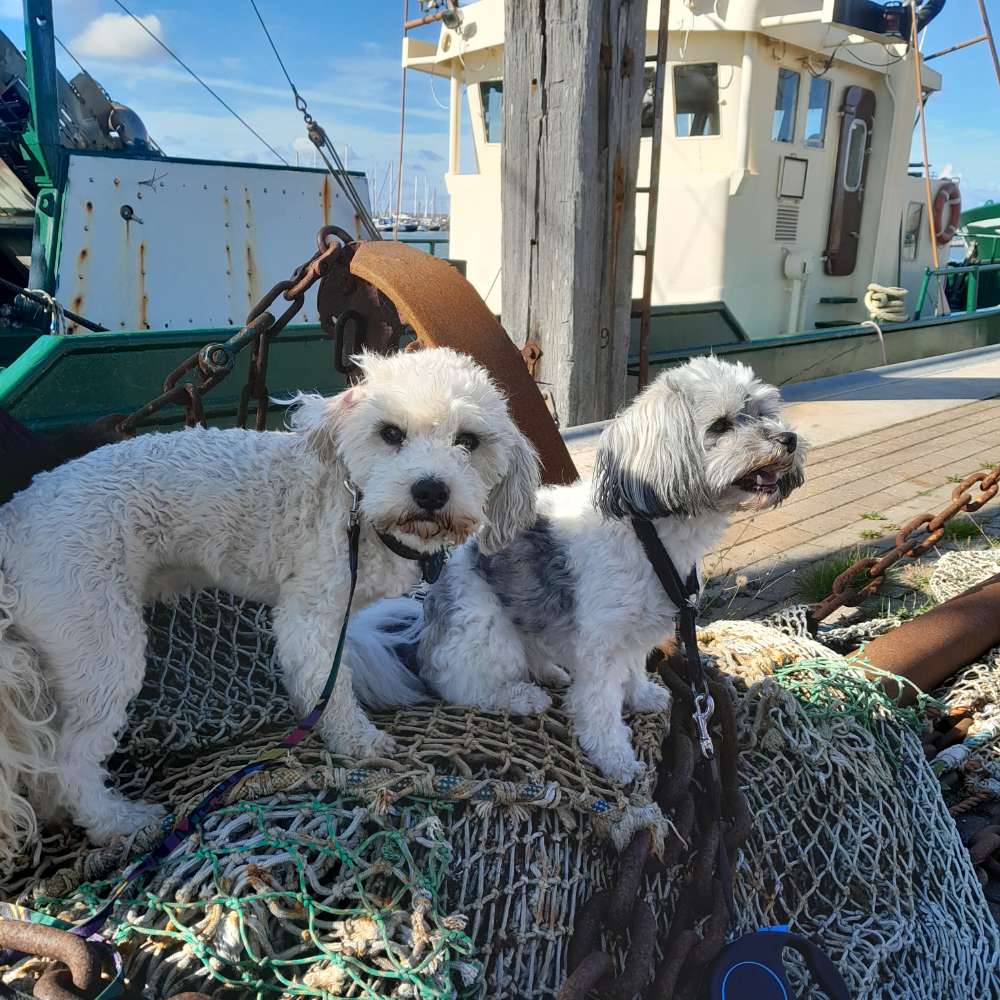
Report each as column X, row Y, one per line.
column 786, row 224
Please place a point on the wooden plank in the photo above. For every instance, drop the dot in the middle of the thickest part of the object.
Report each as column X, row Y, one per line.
column 573, row 77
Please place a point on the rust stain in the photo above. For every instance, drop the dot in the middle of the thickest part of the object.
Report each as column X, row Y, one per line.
column 231, row 292
column 143, row 297
column 252, row 293
column 326, row 199
column 250, row 235
column 79, row 284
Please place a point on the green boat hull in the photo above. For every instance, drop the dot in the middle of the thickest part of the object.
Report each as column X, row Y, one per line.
column 61, row 381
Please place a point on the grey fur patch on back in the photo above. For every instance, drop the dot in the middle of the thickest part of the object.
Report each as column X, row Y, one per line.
column 532, row 578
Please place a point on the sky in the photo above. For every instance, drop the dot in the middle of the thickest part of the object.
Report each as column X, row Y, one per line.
column 344, row 58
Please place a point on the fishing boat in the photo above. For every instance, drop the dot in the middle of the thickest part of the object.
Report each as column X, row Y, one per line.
column 779, row 172
column 487, row 858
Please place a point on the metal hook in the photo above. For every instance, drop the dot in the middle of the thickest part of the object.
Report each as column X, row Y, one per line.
column 704, row 706
column 355, row 492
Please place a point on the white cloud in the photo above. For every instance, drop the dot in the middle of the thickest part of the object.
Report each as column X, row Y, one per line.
column 315, row 94
column 118, row 37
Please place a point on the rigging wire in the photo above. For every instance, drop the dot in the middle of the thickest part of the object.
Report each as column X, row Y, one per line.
column 62, row 45
column 318, row 137
column 163, row 45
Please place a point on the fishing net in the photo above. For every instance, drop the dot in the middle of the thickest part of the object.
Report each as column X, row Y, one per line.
column 457, row 866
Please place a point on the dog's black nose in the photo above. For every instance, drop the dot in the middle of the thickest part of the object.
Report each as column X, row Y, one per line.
column 789, row 440
column 430, row 494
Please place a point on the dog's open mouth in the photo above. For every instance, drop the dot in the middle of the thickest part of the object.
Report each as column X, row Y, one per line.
column 441, row 528
column 763, row 480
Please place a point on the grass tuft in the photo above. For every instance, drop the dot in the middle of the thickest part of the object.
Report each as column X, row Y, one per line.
column 961, row 529
column 815, row 582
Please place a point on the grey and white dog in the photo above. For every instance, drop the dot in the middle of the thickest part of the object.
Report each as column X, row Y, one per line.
column 573, row 598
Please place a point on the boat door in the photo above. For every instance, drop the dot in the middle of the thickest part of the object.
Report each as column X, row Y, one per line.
column 857, row 118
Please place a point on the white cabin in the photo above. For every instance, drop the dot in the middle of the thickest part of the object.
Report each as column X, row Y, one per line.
column 784, row 121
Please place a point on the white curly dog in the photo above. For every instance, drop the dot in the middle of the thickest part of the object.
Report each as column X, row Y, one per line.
column 425, row 436
column 573, row 598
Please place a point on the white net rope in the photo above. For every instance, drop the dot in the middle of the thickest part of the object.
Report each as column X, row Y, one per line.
column 464, row 859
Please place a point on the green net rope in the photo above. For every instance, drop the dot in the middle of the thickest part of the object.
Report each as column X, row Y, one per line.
column 308, row 898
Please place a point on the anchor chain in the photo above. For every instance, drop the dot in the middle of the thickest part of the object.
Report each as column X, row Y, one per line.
column 683, row 794
column 915, row 538
column 77, row 967
column 188, row 383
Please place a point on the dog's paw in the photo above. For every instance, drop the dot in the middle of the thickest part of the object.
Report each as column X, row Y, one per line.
column 550, row 674
column 621, row 766
column 648, row 697
column 528, row 699
column 126, row 819
column 379, row 744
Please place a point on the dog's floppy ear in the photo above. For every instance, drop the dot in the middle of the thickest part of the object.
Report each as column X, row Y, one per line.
column 318, row 418
column 510, row 507
column 650, row 458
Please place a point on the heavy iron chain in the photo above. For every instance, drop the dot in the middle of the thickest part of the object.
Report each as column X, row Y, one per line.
column 214, row 362
column 77, row 967
column 914, row 539
column 624, row 913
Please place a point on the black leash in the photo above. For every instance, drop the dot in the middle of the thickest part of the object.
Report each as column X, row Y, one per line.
column 751, row 967
column 682, row 594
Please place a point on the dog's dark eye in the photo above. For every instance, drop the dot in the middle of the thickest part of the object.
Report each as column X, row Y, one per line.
column 391, row 434
column 467, row 441
column 721, row 425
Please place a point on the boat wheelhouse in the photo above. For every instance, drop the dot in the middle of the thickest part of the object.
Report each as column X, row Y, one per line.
column 785, row 187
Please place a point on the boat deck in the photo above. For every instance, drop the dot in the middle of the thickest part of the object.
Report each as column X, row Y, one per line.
column 887, row 444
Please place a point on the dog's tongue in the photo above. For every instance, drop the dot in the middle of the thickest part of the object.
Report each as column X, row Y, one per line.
column 766, row 477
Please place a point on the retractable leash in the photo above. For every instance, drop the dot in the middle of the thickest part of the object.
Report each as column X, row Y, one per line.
column 183, row 828
column 752, row 966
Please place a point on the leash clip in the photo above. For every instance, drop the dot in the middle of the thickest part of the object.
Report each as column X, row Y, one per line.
column 704, row 706
column 355, row 515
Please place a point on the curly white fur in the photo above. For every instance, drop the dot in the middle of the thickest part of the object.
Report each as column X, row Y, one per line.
column 263, row 515
column 574, row 597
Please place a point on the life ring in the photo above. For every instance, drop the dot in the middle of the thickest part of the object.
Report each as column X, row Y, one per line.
column 947, row 200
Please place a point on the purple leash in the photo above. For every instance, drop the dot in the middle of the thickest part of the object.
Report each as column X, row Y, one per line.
column 183, row 828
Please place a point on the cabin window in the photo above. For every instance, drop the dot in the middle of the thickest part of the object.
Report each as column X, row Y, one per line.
column 696, row 99
column 911, row 231
column 819, row 104
column 854, row 162
column 491, row 94
column 785, row 100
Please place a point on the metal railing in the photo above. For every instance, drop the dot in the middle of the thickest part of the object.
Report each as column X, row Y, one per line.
column 971, row 288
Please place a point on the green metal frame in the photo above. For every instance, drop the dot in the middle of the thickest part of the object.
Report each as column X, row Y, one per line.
column 971, row 290
column 41, row 141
